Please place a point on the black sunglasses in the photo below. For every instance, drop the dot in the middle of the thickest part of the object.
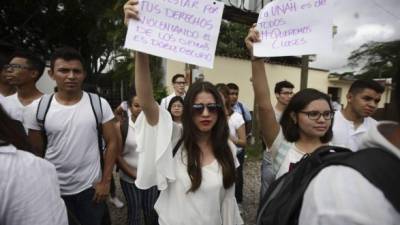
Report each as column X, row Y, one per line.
column 211, row 107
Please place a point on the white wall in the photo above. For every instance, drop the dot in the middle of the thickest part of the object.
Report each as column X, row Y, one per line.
column 45, row 84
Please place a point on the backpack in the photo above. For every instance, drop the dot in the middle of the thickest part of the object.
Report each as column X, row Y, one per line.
column 95, row 103
column 282, row 202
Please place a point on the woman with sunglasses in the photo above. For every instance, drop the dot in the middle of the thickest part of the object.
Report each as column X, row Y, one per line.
column 175, row 108
column 193, row 166
column 305, row 125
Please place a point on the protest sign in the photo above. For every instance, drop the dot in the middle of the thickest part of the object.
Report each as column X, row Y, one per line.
column 294, row 27
column 182, row 30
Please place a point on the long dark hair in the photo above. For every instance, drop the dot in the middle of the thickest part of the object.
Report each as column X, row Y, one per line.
column 12, row 132
column 299, row 101
column 219, row 138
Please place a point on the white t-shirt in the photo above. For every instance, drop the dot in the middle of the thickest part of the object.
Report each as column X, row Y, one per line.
column 165, row 101
column 284, row 154
column 16, row 109
column 211, row 204
column 346, row 135
column 341, row 195
column 72, row 142
column 235, row 121
column 29, row 190
column 129, row 153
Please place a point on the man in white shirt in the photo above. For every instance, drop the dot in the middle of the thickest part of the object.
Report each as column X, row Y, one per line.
column 283, row 94
column 72, row 141
column 23, row 71
column 178, row 83
column 355, row 119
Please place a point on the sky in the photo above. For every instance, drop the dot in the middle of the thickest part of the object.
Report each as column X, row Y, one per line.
column 358, row 22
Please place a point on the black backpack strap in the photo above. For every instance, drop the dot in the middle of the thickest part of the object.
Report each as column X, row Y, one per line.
column 124, row 126
column 381, row 168
column 41, row 114
column 95, row 103
column 178, row 144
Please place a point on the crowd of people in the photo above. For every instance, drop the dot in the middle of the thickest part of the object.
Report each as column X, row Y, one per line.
column 180, row 161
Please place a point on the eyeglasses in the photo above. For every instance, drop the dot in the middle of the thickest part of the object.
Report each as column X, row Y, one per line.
column 180, row 82
column 286, row 93
column 315, row 115
column 212, row 108
column 16, row 66
column 233, row 93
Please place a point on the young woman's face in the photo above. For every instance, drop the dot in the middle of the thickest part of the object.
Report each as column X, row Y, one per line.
column 177, row 109
column 205, row 111
column 315, row 119
column 135, row 107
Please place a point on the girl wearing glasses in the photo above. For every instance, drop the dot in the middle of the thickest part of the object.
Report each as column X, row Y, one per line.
column 195, row 175
column 175, row 108
column 305, row 125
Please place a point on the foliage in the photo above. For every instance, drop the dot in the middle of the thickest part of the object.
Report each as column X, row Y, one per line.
column 94, row 27
column 377, row 59
column 123, row 69
column 231, row 40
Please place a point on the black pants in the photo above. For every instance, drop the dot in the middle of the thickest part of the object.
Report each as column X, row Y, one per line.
column 239, row 177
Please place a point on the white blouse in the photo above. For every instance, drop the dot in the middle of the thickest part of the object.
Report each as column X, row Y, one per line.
column 211, row 204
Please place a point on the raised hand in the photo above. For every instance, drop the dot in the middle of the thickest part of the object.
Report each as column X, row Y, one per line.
column 131, row 10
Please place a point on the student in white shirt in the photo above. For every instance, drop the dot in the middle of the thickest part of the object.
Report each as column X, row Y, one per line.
column 306, row 123
column 197, row 182
column 178, row 83
column 137, row 200
column 29, row 190
column 175, row 108
column 72, row 139
column 341, row 195
column 355, row 119
column 23, row 71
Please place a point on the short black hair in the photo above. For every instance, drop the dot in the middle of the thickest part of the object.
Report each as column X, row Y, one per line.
column 300, row 100
column 359, row 85
column 66, row 53
column 232, row 86
column 35, row 61
column 176, row 76
column 282, row 84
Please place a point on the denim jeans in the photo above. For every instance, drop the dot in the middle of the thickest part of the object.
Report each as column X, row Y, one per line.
column 84, row 209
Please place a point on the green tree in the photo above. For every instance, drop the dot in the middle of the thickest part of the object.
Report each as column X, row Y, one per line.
column 377, row 59
column 94, row 27
column 231, row 40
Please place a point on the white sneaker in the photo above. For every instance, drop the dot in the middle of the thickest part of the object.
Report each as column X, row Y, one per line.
column 115, row 201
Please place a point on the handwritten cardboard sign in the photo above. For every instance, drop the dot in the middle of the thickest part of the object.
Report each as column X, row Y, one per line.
column 182, row 30
column 294, row 27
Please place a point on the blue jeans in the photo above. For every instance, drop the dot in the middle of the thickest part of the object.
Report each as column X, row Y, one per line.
column 84, row 209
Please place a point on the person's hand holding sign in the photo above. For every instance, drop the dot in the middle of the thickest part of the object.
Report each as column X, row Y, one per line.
column 252, row 37
column 131, row 11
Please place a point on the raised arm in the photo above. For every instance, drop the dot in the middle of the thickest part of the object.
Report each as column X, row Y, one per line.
column 143, row 84
column 268, row 124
